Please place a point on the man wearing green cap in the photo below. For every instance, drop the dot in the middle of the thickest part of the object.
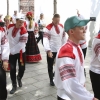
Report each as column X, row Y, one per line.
column 69, row 69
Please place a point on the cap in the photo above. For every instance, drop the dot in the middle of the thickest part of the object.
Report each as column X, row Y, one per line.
column 73, row 22
column 20, row 18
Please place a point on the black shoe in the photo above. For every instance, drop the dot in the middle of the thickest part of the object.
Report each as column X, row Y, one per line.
column 13, row 90
column 19, row 81
column 52, row 83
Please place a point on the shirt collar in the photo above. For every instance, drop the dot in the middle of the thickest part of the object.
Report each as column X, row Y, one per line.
column 71, row 42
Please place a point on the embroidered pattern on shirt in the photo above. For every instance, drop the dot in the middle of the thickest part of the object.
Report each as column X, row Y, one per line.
column 67, row 71
column 97, row 49
column 23, row 39
column 4, row 40
column 46, row 35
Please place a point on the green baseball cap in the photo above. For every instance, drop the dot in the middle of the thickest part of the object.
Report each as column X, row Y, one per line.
column 73, row 22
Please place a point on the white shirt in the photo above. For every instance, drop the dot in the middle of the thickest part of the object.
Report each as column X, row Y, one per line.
column 4, row 45
column 83, row 44
column 53, row 41
column 18, row 42
column 41, row 22
column 34, row 27
column 95, row 62
column 69, row 74
column 14, row 18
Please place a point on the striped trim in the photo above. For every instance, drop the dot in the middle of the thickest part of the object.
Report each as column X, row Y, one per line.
column 4, row 40
column 23, row 39
column 46, row 35
column 97, row 49
column 67, row 71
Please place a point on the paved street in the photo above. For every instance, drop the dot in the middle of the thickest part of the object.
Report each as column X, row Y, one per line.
column 36, row 81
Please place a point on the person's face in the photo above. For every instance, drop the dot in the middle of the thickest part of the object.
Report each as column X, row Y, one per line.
column 15, row 12
column 56, row 21
column 41, row 16
column 7, row 21
column 78, row 33
column 19, row 23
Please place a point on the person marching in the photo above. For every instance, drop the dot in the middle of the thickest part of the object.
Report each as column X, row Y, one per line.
column 17, row 35
column 53, row 38
column 4, row 57
column 95, row 66
column 69, row 68
column 8, row 20
column 32, row 50
column 15, row 15
column 42, row 25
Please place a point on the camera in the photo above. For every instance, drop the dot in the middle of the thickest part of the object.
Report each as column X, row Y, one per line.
column 2, row 24
column 92, row 18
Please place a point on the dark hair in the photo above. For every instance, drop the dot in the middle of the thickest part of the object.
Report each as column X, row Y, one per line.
column 2, row 24
column 56, row 16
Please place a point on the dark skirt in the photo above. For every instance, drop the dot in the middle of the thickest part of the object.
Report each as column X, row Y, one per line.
column 32, row 50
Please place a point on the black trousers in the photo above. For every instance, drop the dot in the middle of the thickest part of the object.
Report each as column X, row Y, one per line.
column 95, row 80
column 58, row 98
column 12, row 61
column 50, row 62
column 84, row 53
column 40, row 37
column 3, row 90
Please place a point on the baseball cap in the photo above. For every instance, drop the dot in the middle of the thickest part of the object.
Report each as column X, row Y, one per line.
column 21, row 18
column 73, row 22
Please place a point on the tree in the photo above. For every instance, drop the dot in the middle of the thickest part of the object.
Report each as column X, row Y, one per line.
column 7, row 7
column 55, row 6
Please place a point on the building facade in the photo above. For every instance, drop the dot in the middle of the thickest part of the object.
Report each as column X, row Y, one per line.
column 26, row 5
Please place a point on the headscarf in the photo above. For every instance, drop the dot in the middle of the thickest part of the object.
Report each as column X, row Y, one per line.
column 30, row 16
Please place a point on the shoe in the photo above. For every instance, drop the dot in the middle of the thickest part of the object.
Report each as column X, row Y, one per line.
column 52, row 83
column 19, row 81
column 13, row 89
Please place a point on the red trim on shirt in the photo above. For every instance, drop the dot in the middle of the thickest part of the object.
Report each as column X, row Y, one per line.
column 66, row 51
column 49, row 26
column 11, row 25
column 67, row 71
column 2, row 29
column 23, row 30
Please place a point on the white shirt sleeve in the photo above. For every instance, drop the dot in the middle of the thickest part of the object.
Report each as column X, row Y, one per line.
column 5, row 50
column 21, row 44
column 64, row 38
column 46, row 38
column 69, row 80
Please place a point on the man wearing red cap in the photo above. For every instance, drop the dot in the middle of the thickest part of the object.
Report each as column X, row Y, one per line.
column 18, row 36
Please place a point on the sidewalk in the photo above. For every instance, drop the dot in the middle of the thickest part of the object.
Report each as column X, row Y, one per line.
column 36, row 81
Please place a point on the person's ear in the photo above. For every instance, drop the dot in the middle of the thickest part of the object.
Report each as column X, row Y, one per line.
column 71, row 31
